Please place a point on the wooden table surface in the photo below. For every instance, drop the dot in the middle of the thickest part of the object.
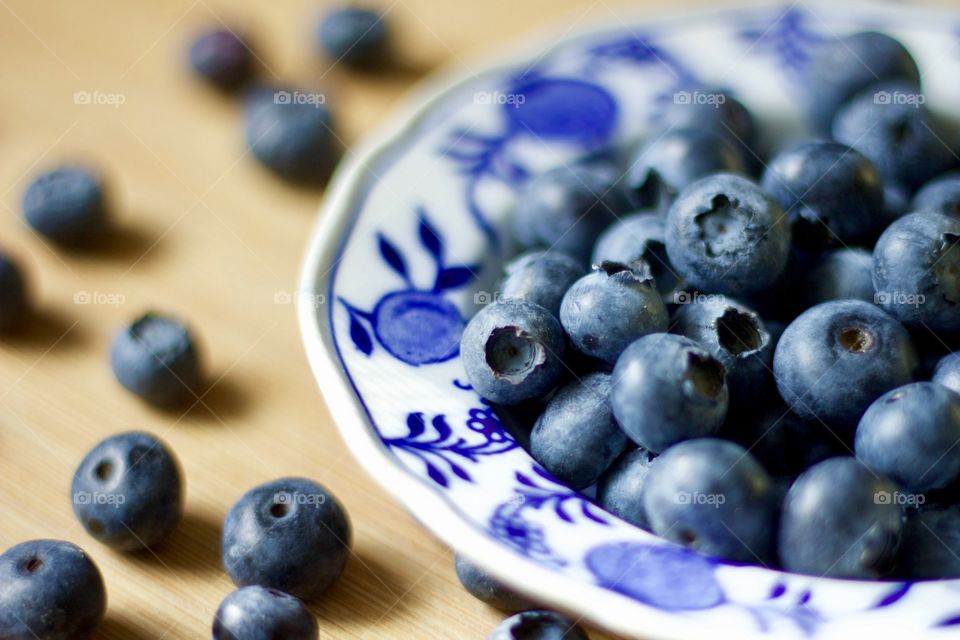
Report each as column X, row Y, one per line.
column 206, row 233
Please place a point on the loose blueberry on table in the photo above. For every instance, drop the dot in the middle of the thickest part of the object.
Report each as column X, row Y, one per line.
column 484, row 587
column 292, row 137
column 128, row 491
column 256, row 613
column 537, row 625
column 67, row 205
column 290, row 534
column 14, row 302
column 156, row 358
column 355, row 36
column 222, row 58
column 49, row 590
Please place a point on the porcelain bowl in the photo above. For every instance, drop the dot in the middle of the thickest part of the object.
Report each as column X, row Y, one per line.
column 411, row 239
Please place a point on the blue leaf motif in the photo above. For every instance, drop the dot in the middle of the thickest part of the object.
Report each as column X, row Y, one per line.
column 453, row 277
column 561, row 513
column 778, row 590
column 460, row 472
column 436, row 475
column 893, row 596
column 524, row 480
column 392, row 255
column 360, row 337
column 949, row 622
column 416, row 425
column 443, row 429
column 429, row 236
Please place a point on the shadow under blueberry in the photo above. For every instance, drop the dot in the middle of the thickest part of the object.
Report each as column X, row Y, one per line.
column 220, row 401
column 123, row 243
column 193, row 547
column 45, row 328
column 367, row 592
column 113, row 628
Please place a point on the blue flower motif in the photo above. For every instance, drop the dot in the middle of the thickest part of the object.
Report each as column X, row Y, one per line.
column 545, row 108
column 788, row 37
column 663, row 576
column 416, row 326
column 508, row 525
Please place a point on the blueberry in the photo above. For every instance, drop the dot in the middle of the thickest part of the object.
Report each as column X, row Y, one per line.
column 638, row 236
column 293, row 138
column 831, row 193
column 565, row 208
column 256, row 613
column 725, row 235
column 941, row 194
column 512, row 351
column 128, row 491
column 947, row 372
column 484, row 587
column 49, row 590
column 576, row 439
column 781, row 441
column 604, row 311
column 841, row 274
column 737, row 338
column 620, row 489
column 713, row 496
column 720, row 113
column 289, row 534
column 14, row 303
column 668, row 388
column 540, row 277
column 67, row 205
column 537, row 625
column 916, row 270
column 896, row 202
column 674, row 159
column 840, row 520
column 838, row 357
column 156, row 358
column 890, row 125
column 910, row 435
column 930, row 548
column 844, row 67
column 222, row 58
column 356, row 36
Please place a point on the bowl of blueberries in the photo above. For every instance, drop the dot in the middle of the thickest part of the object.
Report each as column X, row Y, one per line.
column 654, row 324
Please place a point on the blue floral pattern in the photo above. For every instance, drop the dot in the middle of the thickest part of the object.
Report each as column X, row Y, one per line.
column 788, row 36
column 548, row 109
column 417, row 326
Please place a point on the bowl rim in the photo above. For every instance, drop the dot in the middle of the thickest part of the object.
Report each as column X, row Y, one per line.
column 328, row 235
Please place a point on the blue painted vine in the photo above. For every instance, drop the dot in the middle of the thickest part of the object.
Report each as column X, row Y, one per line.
column 536, row 491
column 444, row 454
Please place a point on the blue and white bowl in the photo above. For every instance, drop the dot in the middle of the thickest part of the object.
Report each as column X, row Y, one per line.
column 411, row 240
